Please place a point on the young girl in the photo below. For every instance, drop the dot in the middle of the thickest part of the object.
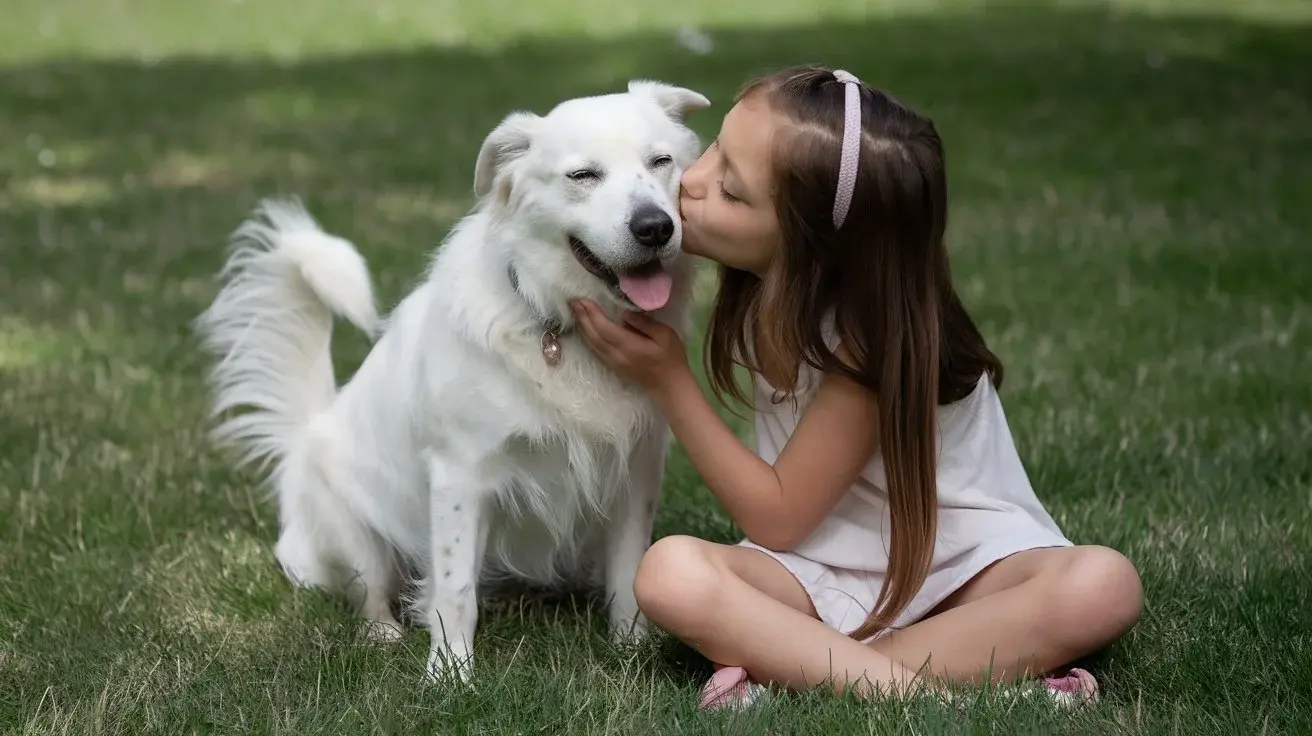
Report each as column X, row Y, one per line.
column 891, row 529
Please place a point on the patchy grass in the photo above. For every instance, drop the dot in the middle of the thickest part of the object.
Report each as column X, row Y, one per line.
column 1129, row 225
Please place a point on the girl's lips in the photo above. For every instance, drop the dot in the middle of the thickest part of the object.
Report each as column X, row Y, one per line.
column 683, row 242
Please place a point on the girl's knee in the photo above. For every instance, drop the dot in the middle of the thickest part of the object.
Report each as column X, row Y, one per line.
column 677, row 582
column 1098, row 594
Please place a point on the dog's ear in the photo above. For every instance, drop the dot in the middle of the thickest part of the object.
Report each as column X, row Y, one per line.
column 676, row 101
column 508, row 141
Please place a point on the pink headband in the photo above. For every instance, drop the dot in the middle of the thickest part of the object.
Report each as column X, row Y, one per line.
column 851, row 145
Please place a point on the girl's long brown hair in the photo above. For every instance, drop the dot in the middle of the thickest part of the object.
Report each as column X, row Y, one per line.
column 884, row 280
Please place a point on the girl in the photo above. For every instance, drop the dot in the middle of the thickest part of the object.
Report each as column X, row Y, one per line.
column 891, row 528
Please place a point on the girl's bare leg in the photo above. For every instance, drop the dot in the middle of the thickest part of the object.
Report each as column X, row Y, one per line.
column 1023, row 616
column 699, row 591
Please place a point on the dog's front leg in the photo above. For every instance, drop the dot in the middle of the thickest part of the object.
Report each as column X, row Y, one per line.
column 457, row 539
column 629, row 535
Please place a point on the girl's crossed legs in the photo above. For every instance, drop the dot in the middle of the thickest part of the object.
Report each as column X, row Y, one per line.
column 1023, row 616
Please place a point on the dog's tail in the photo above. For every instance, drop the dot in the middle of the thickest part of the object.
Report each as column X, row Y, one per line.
column 271, row 325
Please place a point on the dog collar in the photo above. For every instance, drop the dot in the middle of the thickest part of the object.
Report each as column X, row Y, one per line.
column 552, row 328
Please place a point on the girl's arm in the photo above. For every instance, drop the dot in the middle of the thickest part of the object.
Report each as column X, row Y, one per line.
column 777, row 506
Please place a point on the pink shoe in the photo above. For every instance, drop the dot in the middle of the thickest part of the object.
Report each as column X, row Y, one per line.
column 1076, row 687
column 729, row 687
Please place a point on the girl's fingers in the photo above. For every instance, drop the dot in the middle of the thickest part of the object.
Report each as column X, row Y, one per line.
column 601, row 335
column 640, row 322
column 659, row 333
column 607, row 331
column 590, row 334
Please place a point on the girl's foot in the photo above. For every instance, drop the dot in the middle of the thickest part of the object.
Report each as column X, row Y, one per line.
column 730, row 687
column 1075, row 688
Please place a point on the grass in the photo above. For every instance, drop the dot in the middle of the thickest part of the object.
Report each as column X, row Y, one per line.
column 1130, row 226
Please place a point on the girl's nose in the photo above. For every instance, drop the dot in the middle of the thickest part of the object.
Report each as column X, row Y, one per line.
column 691, row 183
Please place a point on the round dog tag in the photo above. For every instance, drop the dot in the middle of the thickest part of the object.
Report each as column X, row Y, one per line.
column 550, row 348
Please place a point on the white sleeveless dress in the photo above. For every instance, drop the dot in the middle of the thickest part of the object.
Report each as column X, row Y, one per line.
column 987, row 511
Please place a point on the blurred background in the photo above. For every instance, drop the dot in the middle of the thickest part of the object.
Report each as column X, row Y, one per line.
column 1129, row 186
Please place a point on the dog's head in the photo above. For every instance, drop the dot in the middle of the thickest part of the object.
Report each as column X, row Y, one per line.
column 595, row 182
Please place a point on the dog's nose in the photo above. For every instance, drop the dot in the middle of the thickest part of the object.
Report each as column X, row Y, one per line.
column 651, row 226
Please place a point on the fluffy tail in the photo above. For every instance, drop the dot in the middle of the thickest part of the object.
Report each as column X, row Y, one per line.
column 271, row 325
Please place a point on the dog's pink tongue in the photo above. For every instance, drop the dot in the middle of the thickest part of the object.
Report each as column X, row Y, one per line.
column 649, row 290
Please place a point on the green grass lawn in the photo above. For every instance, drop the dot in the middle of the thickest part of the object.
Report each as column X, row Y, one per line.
column 1130, row 225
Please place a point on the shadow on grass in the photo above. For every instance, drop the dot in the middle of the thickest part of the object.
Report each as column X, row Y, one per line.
column 1152, row 166
column 152, row 164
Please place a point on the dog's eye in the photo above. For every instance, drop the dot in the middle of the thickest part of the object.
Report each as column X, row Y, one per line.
column 661, row 160
column 583, row 175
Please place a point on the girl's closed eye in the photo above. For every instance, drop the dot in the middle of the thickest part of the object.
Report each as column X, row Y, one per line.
column 728, row 197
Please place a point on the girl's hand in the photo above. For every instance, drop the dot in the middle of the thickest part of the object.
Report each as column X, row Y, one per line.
column 641, row 349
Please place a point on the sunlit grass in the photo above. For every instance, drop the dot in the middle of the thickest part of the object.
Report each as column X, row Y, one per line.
column 1129, row 227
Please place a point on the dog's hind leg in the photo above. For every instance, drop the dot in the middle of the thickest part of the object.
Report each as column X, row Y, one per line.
column 458, row 526
column 355, row 563
column 374, row 586
column 322, row 546
column 366, row 577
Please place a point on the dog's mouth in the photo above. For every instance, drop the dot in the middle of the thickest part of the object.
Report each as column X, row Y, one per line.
column 646, row 287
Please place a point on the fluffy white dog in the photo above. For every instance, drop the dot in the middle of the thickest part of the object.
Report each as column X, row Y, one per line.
column 481, row 436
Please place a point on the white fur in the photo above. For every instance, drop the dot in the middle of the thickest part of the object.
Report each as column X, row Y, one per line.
column 455, row 451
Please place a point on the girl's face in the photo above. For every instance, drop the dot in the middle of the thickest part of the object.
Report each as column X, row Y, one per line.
column 725, row 199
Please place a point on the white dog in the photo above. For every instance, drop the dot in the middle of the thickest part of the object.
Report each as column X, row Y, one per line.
column 481, row 436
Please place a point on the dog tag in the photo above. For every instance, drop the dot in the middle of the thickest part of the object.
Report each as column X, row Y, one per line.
column 550, row 348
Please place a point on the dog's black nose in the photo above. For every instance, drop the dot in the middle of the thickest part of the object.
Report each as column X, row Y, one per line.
column 651, row 226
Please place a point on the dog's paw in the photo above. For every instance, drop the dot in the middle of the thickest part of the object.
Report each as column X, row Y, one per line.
column 628, row 630
column 453, row 664
column 383, row 632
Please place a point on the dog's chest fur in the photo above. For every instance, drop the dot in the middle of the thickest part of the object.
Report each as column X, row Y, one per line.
column 563, row 462
column 580, row 392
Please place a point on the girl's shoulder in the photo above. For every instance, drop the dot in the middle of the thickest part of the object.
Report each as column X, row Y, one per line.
column 808, row 377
